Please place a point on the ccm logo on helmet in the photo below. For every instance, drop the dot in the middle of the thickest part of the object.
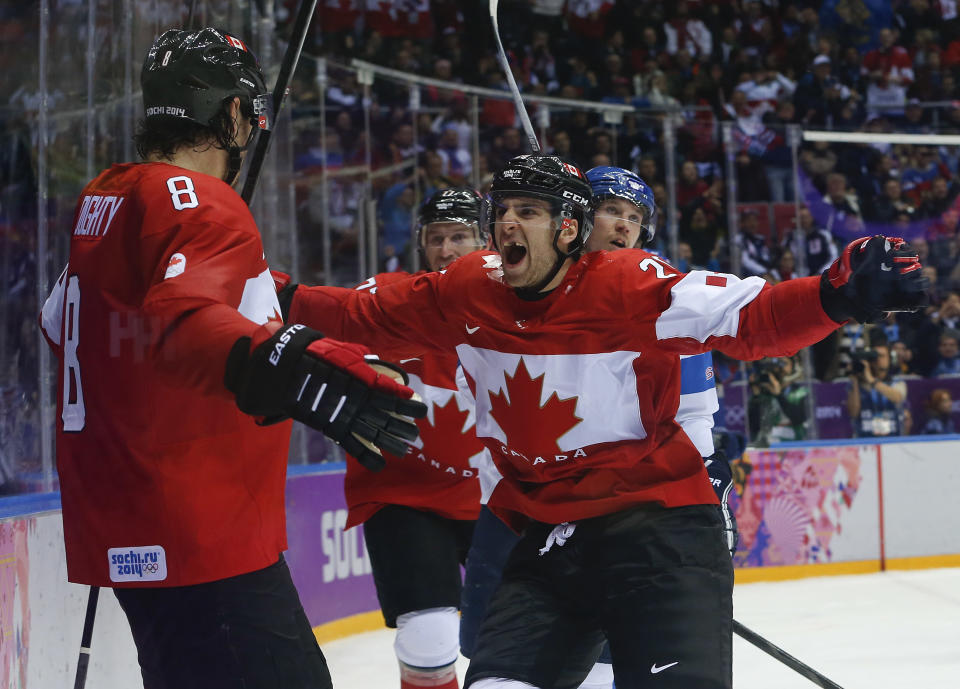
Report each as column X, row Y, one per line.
column 282, row 342
column 573, row 196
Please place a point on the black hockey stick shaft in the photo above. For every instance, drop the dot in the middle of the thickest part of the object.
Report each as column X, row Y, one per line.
column 84, row 659
column 514, row 89
column 287, row 68
column 784, row 657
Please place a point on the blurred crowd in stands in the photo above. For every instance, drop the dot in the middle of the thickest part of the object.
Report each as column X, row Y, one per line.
column 760, row 66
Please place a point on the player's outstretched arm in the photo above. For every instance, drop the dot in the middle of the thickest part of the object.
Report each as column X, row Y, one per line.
column 749, row 319
column 337, row 388
column 403, row 318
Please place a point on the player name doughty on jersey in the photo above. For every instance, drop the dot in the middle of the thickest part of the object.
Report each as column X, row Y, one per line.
column 96, row 214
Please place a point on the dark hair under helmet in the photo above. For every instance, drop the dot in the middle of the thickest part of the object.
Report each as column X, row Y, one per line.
column 555, row 180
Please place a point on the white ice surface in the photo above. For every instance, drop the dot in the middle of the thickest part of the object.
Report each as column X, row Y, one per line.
column 895, row 630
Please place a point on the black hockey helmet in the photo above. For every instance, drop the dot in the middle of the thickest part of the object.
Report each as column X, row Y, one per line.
column 189, row 75
column 553, row 179
column 462, row 205
column 457, row 204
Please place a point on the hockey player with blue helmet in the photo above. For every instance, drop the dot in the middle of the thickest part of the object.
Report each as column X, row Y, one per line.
column 625, row 207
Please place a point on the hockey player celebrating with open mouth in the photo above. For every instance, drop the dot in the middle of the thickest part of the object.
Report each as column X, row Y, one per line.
column 573, row 361
column 624, row 217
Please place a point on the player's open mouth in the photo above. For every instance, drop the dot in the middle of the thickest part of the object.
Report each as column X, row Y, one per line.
column 513, row 253
column 619, row 243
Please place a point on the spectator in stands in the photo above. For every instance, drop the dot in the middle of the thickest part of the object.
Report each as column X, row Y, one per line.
column 687, row 33
column 754, row 252
column 901, row 358
column 700, row 234
column 939, row 408
column 874, row 399
column 786, row 266
column 728, row 48
column 941, row 197
column 457, row 162
column 914, row 121
column 648, row 170
column 431, row 174
column 777, row 408
column 818, row 246
column 892, row 204
column 920, row 170
column 456, row 115
column 949, row 351
column 396, row 218
column 506, row 146
column 889, row 71
column 401, row 147
column 767, row 88
column 818, row 161
column 844, row 218
column 561, row 144
column 946, row 317
column 683, row 258
column 345, row 92
column 690, row 186
column 819, row 94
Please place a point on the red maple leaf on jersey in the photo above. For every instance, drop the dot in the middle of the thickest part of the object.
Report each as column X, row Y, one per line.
column 445, row 437
column 530, row 427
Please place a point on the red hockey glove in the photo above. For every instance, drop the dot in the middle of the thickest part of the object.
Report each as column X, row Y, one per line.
column 873, row 276
column 332, row 386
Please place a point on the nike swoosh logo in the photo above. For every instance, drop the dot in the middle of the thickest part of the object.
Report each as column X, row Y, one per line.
column 471, row 331
column 403, row 361
column 654, row 669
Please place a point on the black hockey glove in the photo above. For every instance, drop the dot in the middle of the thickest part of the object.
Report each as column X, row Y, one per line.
column 721, row 478
column 872, row 276
column 335, row 387
column 285, row 288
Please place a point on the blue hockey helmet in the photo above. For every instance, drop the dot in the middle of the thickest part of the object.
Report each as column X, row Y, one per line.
column 607, row 182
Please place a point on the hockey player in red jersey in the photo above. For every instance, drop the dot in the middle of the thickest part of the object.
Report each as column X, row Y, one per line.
column 573, row 361
column 624, row 217
column 418, row 513
column 170, row 343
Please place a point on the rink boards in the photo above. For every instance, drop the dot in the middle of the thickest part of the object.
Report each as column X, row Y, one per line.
column 804, row 510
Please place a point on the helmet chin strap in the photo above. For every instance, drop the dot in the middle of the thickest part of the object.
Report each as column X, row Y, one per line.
column 235, row 158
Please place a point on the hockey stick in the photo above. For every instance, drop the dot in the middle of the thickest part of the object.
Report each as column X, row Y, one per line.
column 287, row 67
column 84, row 659
column 784, row 657
column 517, row 98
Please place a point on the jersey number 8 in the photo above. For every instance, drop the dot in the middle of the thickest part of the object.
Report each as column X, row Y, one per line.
column 183, row 196
column 74, row 413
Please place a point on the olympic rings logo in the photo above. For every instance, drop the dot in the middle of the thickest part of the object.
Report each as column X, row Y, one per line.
column 151, row 567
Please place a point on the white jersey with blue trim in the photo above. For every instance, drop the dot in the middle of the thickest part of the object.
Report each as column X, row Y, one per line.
column 698, row 404
column 698, row 400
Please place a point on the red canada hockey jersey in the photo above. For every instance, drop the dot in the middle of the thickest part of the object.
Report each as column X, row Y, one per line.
column 438, row 474
column 576, row 393
column 164, row 482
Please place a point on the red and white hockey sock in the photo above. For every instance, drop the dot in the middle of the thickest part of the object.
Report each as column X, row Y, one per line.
column 435, row 677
